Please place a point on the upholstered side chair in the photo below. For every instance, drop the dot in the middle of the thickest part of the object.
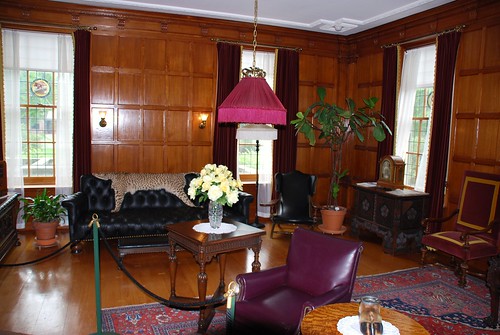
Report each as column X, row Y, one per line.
column 475, row 225
column 293, row 204
column 320, row 269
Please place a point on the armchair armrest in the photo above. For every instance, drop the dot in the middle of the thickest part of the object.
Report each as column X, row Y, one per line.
column 272, row 206
column 465, row 235
column 255, row 283
column 272, row 203
column 340, row 293
column 437, row 221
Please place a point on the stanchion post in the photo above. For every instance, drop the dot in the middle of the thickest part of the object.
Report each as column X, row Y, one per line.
column 97, row 275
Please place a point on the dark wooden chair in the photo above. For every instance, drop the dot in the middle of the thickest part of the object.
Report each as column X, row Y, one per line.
column 476, row 224
column 294, row 202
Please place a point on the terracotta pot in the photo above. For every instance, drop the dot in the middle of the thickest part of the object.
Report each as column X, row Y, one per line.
column 45, row 233
column 333, row 220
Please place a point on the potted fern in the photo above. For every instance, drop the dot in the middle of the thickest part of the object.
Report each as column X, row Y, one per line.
column 334, row 125
column 46, row 212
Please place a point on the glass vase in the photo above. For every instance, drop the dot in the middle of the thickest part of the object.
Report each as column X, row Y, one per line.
column 215, row 212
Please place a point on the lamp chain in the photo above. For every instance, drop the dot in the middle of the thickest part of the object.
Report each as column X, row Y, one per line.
column 255, row 11
column 254, row 71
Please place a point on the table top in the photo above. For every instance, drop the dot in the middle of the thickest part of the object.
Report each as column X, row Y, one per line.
column 184, row 234
column 398, row 193
column 323, row 320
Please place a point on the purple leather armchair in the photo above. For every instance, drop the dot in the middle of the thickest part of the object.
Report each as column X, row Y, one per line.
column 320, row 269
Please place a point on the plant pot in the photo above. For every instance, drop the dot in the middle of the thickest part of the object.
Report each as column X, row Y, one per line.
column 46, row 233
column 333, row 220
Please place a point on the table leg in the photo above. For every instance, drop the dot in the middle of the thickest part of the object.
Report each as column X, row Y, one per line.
column 206, row 313
column 173, row 267
column 222, row 271
column 256, row 263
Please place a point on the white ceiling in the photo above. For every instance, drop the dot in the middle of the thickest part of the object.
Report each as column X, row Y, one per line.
column 341, row 17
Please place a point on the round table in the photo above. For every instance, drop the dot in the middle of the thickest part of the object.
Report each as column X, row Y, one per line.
column 323, row 320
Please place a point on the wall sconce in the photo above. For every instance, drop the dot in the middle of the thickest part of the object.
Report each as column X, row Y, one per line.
column 102, row 115
column 203, row 123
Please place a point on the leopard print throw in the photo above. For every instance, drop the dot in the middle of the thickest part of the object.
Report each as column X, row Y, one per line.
column 132, row 182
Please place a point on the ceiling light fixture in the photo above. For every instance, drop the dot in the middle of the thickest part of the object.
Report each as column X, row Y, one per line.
column 252, row 100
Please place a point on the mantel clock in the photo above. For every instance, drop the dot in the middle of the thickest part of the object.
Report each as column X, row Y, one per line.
column 391, row 172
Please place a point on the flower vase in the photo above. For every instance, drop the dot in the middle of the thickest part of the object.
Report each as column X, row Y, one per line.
column 215, row 212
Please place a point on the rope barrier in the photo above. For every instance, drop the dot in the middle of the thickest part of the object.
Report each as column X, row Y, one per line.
column 167, row 302
column 38, row 260
column 162, row 300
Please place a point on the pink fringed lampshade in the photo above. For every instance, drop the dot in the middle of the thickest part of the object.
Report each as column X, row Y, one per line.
column 252, row 101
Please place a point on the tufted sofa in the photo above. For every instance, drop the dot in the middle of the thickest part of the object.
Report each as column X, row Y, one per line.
column 126, row 211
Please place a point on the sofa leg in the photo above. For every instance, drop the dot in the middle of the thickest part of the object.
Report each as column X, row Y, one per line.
column 76, row 248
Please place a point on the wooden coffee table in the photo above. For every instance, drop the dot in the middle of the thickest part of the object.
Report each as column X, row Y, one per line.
column 204, row 247
column 323, row 320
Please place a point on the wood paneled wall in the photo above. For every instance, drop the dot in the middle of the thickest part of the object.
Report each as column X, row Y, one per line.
column 155, row 90
column 156, row 73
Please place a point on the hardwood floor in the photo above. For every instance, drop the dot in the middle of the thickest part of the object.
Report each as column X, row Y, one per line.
column 57, row 296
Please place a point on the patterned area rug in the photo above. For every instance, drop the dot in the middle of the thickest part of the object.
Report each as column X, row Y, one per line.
column 431, row 296
column 157, row 319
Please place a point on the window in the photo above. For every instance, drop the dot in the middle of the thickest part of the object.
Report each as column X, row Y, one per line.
column 414, row 116
column 419, row 133
column 38, row 97
column 247, row 154
column 37, row 123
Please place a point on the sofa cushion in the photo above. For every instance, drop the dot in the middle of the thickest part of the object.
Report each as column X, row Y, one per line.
column 100, row 195
column 139, row 222
column 150, row 199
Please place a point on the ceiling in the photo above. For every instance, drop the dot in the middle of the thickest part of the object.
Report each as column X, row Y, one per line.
column 341, row 17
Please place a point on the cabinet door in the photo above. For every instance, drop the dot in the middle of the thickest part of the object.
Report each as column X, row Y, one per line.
column 365, row 204
column 385, row 211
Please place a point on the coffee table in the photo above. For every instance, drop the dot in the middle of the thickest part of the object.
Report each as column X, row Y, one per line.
column 323, row 320
column 204, row 247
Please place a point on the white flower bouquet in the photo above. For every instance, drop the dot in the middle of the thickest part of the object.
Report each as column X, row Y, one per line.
column 217, row 184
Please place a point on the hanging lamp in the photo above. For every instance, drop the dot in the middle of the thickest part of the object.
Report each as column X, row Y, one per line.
column 252, row 100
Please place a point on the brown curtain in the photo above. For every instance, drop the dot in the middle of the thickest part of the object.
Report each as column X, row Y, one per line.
column 389, row 98
column 447, row 48
column 287, row 90
column 81, row 136
column 225, row 144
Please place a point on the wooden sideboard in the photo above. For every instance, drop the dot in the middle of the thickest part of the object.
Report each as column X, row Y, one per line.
column 393, row 215
column 8, row 213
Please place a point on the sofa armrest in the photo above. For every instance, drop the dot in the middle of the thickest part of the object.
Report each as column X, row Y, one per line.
column 255, row 283
column 241, row 210
column 77, row 206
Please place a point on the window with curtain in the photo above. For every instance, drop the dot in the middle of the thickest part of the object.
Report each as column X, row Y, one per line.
column 246, row 148
column 414, row 115
column 38, row 100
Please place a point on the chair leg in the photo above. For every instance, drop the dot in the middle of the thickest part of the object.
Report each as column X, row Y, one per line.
column 462, row 280
column 272, row 229
column 424, row 251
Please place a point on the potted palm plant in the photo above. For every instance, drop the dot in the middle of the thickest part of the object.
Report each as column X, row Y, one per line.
column 334, row 125
column 46, row 212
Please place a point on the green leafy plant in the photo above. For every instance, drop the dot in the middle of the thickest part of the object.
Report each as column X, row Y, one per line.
column 334, row 124
column 43, row 207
